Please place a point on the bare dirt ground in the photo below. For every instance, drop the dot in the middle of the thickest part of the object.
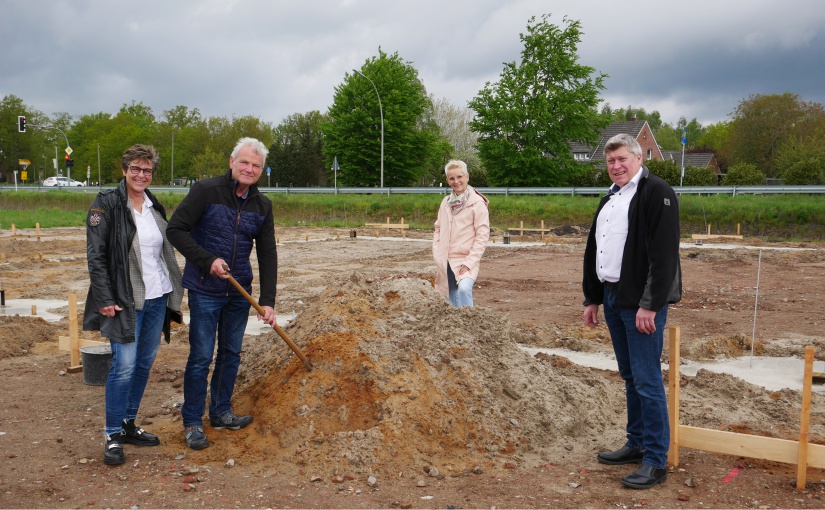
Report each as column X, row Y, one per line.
column 412, row 404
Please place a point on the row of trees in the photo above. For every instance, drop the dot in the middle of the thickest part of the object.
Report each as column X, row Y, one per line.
column 384, row 126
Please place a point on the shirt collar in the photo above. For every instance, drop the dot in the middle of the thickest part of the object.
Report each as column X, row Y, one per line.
column 245, row 193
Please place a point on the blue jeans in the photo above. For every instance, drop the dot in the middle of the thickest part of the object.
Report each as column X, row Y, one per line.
column 461, row 294
column 639, row 358
column 226, row 315
column 131, row 363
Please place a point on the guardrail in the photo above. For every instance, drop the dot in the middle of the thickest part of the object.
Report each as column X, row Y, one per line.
column 687, row 190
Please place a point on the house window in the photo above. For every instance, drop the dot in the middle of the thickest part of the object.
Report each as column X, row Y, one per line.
column 649, row 154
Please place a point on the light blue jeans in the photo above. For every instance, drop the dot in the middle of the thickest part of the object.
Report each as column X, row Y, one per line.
column 639, row 358
column 131, row 364
column 461, row 293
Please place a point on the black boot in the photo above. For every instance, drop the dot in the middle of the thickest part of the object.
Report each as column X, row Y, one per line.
column 624, row 455
column 645, row 477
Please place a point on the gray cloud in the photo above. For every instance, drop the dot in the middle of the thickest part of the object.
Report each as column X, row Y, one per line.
column 274, row 58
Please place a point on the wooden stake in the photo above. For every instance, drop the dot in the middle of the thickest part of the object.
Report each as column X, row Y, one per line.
column 674, row 338
column 738, row 232
column 805, row 419
column 37, row 227
column 542, row 229
column 13, row 230
column 34, row 310
column 74, row 350
column 708, row 229
column 521, row 228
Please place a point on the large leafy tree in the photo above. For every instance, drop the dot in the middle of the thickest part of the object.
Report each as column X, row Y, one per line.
column 526, row 119
column 761, row 124
column 295, row 155
column 352, row 131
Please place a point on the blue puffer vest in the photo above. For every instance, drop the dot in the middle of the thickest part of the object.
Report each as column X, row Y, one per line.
column 228, row 233
column 212, row 222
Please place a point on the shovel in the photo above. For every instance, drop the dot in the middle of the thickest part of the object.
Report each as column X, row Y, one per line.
column 261, row 311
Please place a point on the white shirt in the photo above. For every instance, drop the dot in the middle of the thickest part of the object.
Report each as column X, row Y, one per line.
column 611, row 230
column 155, row 279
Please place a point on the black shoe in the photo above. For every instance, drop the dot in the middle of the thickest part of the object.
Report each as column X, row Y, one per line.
column 645, row 477
column 230, row 421
column 113, row 454
column 195, row 438
column 133, row 434
column 624, row 455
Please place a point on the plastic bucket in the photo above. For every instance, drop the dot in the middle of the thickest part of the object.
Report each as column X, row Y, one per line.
column 97, row 360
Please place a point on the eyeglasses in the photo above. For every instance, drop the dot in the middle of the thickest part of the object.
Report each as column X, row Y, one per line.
column 136, row 170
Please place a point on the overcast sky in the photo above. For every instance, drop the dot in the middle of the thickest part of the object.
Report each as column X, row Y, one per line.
column 274, row 58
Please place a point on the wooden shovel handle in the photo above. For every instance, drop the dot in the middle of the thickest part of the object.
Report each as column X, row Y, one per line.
column 278, row 329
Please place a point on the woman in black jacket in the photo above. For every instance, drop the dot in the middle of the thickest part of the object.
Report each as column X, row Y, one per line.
column 134, row 279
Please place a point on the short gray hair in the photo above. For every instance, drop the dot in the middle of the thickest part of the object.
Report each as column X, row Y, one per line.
column 254, row 144
column 140, row 152
column 623, row 140
column 456, row 163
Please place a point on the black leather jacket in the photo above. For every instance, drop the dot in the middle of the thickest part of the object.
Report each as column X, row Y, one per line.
column 110, row 229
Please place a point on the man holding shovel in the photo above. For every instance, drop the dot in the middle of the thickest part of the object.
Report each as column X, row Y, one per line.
column 215, row 227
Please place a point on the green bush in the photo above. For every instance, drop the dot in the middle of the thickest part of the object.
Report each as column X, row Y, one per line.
column 667, row 170
column 744, row 174
column 695, row 176
column 805, row 172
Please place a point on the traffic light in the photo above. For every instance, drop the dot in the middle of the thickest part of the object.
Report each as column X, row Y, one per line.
column 69, row 161
column 21, row 123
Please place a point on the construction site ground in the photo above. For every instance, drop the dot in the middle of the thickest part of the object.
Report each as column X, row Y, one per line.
column 411, row 403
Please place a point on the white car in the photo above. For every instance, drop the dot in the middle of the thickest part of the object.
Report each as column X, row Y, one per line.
column 62, row 181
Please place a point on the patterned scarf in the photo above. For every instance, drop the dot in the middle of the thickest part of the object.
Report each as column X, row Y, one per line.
column 457, row 202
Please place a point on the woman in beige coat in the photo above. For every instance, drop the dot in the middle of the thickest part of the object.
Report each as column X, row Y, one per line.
column 460, row 237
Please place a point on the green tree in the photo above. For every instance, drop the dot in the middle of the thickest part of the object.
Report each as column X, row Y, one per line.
column 527, row 118
column 454, row 126
column 352, row 131
column 713, row 138
column 37, row 144
column 296, row 156
column 744, row 174
column 761, row 124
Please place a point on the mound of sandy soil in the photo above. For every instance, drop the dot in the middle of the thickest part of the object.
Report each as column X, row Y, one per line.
column 401, row 381
column 19, row 334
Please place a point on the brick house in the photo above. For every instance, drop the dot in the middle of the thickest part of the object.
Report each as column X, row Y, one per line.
column 638, row 129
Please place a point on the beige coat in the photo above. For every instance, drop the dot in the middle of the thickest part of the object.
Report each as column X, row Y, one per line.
column 460, row 238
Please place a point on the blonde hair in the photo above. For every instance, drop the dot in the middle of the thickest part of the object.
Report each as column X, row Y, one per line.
column 456, row 163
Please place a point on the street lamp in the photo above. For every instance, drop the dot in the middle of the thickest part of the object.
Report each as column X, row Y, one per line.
column 381, row 111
